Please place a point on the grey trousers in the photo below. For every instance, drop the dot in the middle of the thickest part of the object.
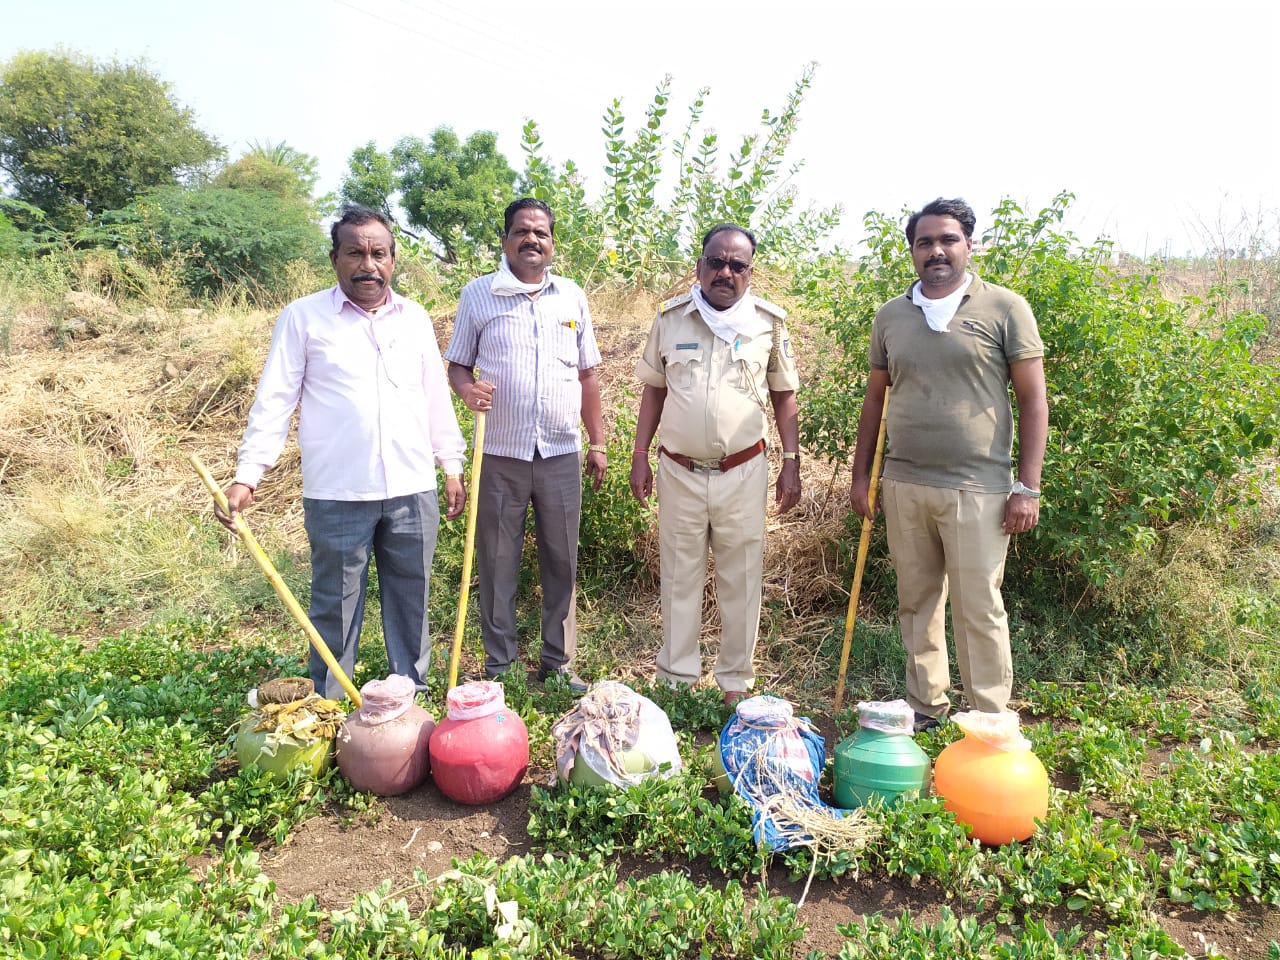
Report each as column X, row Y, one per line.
column 401, row 533
column 553, row 485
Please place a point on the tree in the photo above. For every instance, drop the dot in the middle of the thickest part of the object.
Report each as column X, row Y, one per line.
column 370, row 180
column 277, row 168
column 453, row 190
column 78, row 138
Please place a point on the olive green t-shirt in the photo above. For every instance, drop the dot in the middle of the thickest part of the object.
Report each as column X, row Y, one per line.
column 950, row 422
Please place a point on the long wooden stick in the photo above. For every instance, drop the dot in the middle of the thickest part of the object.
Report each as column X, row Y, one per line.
column 464, row 591
column 863, row 544
column 281, row 588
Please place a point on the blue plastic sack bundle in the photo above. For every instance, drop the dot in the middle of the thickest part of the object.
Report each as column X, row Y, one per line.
column 774, row 760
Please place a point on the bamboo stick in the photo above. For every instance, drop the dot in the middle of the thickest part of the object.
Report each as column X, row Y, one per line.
column 464, row 591
column 276, row 581
column 863, row 543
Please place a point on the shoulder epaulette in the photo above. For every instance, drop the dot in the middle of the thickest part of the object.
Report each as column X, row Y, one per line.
column 772, row 309
column 675, row 302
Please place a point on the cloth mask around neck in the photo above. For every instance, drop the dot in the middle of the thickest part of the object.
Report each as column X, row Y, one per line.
column 741, row 319
column 939, row 313
column 507, row 284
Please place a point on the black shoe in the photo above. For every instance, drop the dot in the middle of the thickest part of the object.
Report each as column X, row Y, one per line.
column 576, row 683
column 924, row 722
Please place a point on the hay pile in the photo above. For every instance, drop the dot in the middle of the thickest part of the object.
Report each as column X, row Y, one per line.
column 96, row 420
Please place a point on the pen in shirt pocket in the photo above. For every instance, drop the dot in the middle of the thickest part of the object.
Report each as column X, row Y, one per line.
column 571, row 324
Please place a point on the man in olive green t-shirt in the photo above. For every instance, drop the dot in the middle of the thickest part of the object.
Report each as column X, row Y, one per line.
column 946, row 352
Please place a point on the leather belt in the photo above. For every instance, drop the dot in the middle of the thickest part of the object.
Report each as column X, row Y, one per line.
column 715, row 466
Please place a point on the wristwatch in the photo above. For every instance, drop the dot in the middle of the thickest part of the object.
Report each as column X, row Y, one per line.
column 1020, row 487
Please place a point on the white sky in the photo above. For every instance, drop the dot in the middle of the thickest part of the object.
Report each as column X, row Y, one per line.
column 1160, row 117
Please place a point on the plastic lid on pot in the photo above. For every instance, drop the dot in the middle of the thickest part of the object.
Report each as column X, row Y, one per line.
column 479, row 698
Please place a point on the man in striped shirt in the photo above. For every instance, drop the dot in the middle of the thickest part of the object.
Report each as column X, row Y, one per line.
column 524, row 354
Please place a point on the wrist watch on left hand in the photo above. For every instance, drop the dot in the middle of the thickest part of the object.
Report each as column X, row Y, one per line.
column 1020, row 487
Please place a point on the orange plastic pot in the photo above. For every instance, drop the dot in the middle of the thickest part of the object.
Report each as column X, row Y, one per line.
column 998, row 794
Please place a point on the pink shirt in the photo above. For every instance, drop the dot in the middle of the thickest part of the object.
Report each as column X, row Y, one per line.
column 377, row 415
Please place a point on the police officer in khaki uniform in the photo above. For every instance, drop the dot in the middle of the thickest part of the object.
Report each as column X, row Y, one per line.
column 712, row 358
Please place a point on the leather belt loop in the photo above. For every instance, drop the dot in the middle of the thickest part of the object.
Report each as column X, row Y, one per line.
column 715, row 466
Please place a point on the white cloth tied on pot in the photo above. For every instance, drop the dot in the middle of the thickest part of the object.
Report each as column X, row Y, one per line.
column 610, row 721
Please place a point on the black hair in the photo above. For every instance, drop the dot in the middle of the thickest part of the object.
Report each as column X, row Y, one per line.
column 722, row 227
column 526, row 203
column 957, row 209
column 357, row 214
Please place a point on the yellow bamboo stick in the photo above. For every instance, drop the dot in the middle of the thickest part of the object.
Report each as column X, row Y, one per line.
column 863, row 544
column 464, row 591
column 281, row 588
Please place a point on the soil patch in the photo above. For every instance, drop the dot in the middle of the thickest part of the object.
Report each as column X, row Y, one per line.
column 334, row 862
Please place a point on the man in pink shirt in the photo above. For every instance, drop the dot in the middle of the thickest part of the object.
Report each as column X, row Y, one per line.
column 376, row 420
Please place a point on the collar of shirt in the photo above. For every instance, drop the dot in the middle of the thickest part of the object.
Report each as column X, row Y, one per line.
column 393, row 304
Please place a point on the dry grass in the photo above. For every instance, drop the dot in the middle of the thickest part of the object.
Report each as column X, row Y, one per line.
column 107, row 520
column 99, row 500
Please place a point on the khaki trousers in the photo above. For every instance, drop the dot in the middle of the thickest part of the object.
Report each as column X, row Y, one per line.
column 723, row 511
column 950, row 542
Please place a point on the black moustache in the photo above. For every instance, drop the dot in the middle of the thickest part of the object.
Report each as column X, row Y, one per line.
column 366, row 276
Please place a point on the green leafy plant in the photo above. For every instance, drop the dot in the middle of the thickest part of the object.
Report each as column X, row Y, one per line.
column 628, row 237
column 1144, row 441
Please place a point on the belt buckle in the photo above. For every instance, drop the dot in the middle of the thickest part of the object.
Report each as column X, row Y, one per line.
column 706, row 466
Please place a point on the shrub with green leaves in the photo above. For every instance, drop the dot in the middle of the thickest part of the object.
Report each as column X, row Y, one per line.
column 628, row 236
column 222, row 239
column 1155, row 415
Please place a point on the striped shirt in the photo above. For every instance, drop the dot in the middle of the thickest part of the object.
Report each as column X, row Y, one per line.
column 530, row 349
column 377, row 416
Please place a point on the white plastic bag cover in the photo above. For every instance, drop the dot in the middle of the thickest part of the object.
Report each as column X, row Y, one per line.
column 609, row 720
column 479, row 698
column 381, row 701
column 887, row 716
column 1001, row 730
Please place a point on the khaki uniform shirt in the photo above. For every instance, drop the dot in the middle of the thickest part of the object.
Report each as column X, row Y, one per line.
column 717, row 393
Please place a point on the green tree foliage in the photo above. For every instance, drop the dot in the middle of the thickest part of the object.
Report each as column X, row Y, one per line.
column 10, row 236
column 277, row 168
column 1154, row 414
column 217, row 237
column 78, row 138
column 453, row 190
column 628, row 234
column 370, row 180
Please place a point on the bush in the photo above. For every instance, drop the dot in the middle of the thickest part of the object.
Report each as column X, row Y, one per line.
column 222, row 238
column 1153, row 419
column 627, row 236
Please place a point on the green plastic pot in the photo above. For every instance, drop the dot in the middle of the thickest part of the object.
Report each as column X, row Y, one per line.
column 314, row 757
column 633, row 761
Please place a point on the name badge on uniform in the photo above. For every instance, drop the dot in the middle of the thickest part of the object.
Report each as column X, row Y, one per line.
column 687, row 346
column 786, row 346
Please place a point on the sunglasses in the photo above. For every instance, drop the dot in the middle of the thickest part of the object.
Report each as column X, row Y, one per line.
column 716, row 264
